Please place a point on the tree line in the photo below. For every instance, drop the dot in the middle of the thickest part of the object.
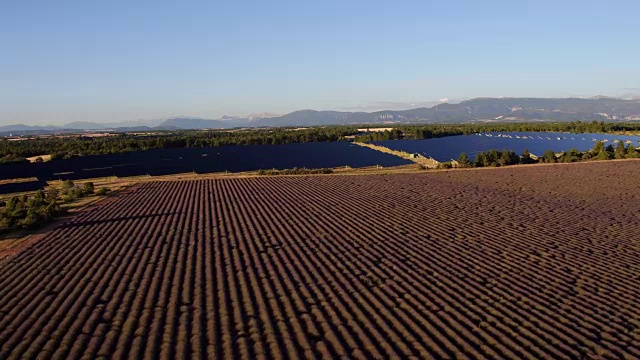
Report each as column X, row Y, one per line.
column 430, row 131
column 296, row 171
column 574, row 127
column 73, row 146
column 434, row 131
column 495, row 158
column 412, row 132
column 30, row 212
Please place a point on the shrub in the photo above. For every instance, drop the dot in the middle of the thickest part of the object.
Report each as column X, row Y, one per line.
column 52, row 194
column 572, row 155
column 67, row 184
column 548, row 157
column 296, row 171
column 5, row 224
column 88, row 188
column 27, row 222
column 509, row 157
column 526, row 157
column 11, row 204
column 603, row 155
column 77, row 192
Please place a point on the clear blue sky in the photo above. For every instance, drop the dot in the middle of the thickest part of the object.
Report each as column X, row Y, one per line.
column 115, row 60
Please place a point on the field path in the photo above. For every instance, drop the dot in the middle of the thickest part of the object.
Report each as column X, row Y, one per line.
column 428, row 163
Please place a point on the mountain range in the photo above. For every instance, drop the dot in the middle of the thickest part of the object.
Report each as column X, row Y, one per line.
column 599, row 108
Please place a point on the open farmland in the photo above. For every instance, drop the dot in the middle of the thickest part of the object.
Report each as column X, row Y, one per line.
column 521, row 262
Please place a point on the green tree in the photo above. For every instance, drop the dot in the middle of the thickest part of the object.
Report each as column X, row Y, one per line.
column 526, row 157
column 88, row 188
column 27, row 212
column 491, row 158
column 632, row 152
column 549, row 157
column 12, row 204
column 36, row 200
column 508, row 157
column 597, row 148
column 479, row 162
column 609, row 148
column 620, row 152
column 52, row 210
column 28, row 221
column 77, row 192
column 5, row 224
column 463, row 161
column 39, row 196
column 68, row 184
column 572, row 155
column 603, row 155
column 52, row 195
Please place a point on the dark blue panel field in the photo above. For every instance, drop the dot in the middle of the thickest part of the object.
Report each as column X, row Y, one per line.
column 21, row 187
column 448, row 148
column 203, row 160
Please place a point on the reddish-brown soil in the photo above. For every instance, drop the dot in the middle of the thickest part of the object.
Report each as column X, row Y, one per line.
column 522, row 262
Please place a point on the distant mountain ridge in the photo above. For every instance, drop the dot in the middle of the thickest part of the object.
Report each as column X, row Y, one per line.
column 88, row 125
column 474, row 110
column 599, row 108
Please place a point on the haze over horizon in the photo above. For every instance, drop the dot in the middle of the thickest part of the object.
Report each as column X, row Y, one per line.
column 114, row 61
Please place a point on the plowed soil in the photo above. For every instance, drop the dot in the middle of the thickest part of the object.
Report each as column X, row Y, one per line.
column 522, row 262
